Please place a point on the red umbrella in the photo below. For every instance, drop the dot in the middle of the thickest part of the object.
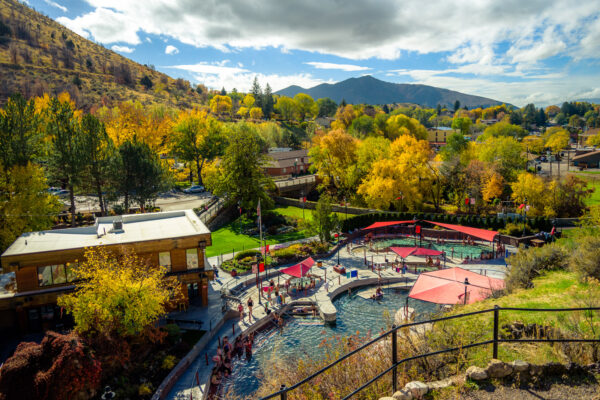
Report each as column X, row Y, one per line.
column 415, row 251
column 447, row 286
column 301, row 269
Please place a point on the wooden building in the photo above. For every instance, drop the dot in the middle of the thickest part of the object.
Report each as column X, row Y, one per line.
column 43, row 261
column 287, row 163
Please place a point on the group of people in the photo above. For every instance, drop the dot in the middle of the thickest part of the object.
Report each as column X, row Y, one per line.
column 226, row 353
column 430, row 263
column 378, row 293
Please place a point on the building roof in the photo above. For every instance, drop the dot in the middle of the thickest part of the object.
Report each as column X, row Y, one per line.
column 583, row 157
column 135, row 228
column 286, row 159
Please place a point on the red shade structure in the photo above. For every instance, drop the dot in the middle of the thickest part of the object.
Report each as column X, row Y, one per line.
column 300, row 270
column 447, row 286
column 415, row 251
column 483, row 234
column 387, row 223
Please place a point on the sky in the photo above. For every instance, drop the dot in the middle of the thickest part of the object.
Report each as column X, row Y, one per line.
column 516, row 51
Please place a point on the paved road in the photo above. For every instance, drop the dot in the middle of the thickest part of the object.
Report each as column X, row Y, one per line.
column 170, row 201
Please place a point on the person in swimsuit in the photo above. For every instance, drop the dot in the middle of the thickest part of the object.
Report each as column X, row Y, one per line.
column 250, row 305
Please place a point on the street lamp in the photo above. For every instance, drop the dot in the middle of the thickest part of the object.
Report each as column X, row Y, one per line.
column 296, row 166
column 466, row 284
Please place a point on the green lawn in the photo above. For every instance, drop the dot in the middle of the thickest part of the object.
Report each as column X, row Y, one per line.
column 595, row 198
column 297, row 212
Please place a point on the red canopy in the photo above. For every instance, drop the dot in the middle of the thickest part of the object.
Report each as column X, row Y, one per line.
column 301, row 269
column 447, row 286
column 476, row 232
column 387, row 223
column 415, row 251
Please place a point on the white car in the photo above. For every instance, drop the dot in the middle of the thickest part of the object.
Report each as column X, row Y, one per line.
column 194, row 189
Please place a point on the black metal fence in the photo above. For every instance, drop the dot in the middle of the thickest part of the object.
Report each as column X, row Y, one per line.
column 395, row 363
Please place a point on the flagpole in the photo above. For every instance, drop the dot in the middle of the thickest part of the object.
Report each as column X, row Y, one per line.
column 261, row 251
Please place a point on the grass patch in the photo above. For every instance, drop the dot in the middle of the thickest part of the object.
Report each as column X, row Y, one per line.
column 296, row 212
column 593, row 180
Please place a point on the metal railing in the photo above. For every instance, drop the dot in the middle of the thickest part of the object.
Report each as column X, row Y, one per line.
column 395, row 363
column 296, row 181
column 208, row 214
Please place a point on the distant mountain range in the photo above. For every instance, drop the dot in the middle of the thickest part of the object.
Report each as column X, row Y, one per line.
column 369, row 90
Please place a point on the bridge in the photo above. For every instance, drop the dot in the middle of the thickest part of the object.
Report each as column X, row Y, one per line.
column 298, row 186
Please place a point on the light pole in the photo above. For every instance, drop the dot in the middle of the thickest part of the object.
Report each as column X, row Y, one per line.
column 524, row 216
column 296, row 167
column 466, row 284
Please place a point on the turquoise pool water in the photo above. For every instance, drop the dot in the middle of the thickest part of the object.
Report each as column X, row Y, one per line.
column 458, row 249
column 301, row 336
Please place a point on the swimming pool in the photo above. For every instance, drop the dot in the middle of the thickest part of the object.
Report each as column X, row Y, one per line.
column 454, row 250
column 301, row 336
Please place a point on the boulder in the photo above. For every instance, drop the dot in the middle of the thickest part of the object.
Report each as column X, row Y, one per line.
column 402, row 394
column 519, row 366
column 438, row 385
column 417, row 388
column 536, row 370
column 476, row 373
column 386, row 398
column 498, row 369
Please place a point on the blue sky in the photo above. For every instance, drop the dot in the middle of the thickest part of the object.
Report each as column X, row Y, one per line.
column 540, row 51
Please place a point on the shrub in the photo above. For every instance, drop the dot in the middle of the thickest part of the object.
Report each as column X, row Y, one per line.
column 529, row 263
column 246, row 254
column 145, row 390
column 169, row 362
column 586, row 258
column 514, row 229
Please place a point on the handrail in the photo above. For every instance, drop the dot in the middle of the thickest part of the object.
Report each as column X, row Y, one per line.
column 496, row 310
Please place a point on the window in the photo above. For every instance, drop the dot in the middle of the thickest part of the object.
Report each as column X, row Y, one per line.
column 70, row 269
column 164, row 260
column 283, row 170
column 45, row 275
column 191, row 256
column 52, row 275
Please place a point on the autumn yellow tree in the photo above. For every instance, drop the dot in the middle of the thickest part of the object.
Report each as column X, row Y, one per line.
column 118, row 293
column 493, row 187
column 286, row 107
column 534, row 144
column 531, row 187
column 405, row 172
column 220, row 104
column 242, row 112
column 305, row 106
column 400, row 124
column 556, row 139
column 344, row 117
column 256, row 113
column 249, row 101
column 333, row 154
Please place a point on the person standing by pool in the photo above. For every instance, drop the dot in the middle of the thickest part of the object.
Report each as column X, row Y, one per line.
column 241, row 311
column 248, row 347
column 327, row 286
column 250, row 305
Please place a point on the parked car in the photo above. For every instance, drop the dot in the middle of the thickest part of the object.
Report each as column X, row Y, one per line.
column 194, row 189
column 60, row 192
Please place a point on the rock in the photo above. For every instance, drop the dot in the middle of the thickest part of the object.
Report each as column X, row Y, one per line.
column 402, row 394
column 476, row 373
column 554, row 369
column 536, row 370
column 437, row 385
column 498, row 369
column 416, row 388
column 386, row 398
column 519, row 366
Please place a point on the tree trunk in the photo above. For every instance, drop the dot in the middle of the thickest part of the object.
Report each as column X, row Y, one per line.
column 101, row 200
column 199, row 170
column 126, row 202
column 72, row 198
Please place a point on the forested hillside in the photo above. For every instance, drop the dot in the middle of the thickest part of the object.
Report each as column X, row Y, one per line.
column 38, row 55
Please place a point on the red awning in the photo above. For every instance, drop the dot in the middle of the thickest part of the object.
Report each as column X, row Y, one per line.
column 387, row 223
column 476, row 232
column 415, row 251
column 447, row 286
column 301, row 269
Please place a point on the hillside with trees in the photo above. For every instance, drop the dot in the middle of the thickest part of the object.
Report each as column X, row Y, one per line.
column 38, row 55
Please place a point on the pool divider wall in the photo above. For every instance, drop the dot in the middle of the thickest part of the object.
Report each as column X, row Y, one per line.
column 328, row 311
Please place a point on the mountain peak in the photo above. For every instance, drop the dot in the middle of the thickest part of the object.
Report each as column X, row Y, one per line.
column 367, row 89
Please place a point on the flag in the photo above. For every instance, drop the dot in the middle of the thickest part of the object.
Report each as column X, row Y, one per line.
column 261, row 267
column 552, row 231
column 267, row 248
column 521, row 206
column 418, row 229
column 467, row 201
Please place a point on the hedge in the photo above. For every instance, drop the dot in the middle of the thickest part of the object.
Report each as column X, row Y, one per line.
column 476, row 221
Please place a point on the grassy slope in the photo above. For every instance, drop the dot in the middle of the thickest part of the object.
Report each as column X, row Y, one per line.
column 227, row 238
column 593, row 179
column 557, row 289
column 40, row 65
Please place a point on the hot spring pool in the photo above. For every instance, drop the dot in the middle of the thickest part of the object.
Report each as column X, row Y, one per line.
column 454, row 250
column 301, row 336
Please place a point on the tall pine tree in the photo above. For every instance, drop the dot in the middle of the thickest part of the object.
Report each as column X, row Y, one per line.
column 268, row 103
column 256, row 91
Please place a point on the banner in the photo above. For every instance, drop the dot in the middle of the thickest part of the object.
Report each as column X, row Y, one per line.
column 261, row 267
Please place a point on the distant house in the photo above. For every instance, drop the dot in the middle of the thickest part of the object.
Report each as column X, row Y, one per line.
column 325, row 122
column 438, row 135
column 587, row 160
column 490, row 121
column 290, row 162
column 583, row 137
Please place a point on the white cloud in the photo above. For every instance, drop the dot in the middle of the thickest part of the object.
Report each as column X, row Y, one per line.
column 171, row 50
column 122, row 49
column 342, row 67
column 55, row 4
column 216, row 75
column 105, row 26
column 148, row 40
